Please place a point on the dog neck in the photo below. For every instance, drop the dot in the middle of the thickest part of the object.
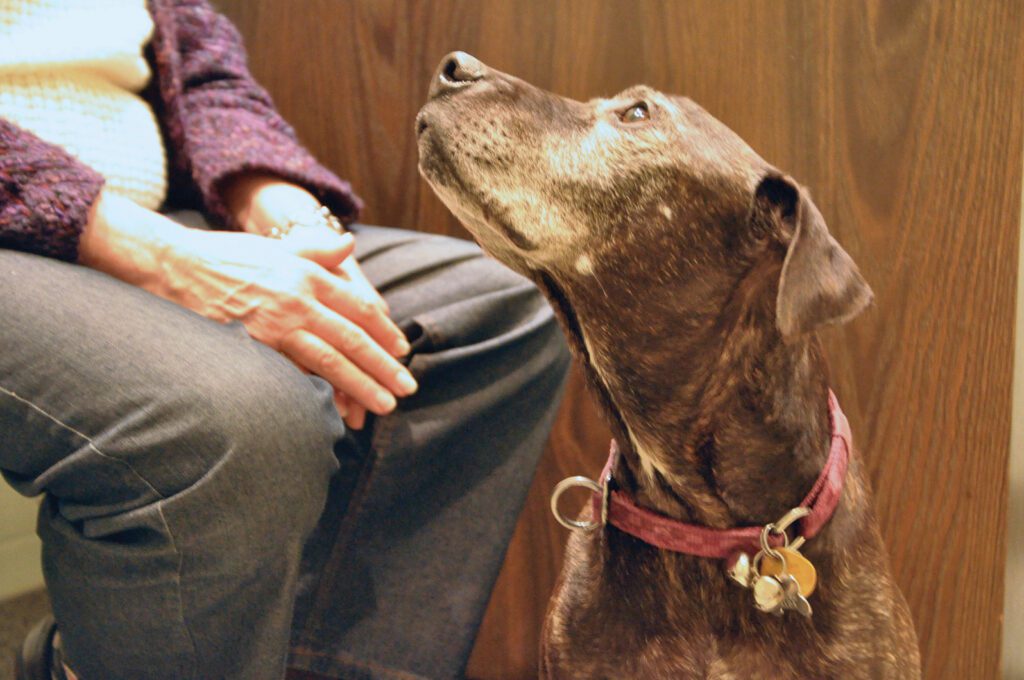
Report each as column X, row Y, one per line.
column 720, row 421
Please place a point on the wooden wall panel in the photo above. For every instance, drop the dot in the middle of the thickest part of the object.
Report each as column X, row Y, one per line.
column 904, row 118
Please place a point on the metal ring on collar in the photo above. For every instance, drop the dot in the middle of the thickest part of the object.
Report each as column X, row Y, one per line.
column 568, row 482
column 606, row 497
column 767, row 548
column 779, row 528
column 794, row 515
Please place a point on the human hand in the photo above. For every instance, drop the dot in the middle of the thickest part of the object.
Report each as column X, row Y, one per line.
column 353, row 278
column 349, row 270
column 260, row 202
column 287, row 297
column 282, row 291
column 264, row 204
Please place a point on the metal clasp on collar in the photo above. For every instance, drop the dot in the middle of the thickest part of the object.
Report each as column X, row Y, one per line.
column 587, row 482
column 781, row 525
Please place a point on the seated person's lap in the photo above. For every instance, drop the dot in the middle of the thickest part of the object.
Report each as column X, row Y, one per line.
column 151, row 426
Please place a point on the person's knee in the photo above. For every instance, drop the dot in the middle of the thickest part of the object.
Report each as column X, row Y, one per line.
column 264, row 447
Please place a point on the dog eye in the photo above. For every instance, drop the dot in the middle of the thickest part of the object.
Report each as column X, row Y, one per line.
column 635, row 114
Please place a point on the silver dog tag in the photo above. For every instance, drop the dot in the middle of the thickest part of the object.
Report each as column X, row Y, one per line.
column 768, row 594
column 793, row 600
column 739, row 569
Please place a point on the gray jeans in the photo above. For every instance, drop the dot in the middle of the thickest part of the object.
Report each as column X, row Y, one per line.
column 205, row 505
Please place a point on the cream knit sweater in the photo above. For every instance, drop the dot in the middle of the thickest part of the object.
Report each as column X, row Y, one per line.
column 70, row 72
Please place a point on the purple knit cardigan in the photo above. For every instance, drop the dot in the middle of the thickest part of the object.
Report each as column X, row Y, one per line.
column 216, row 122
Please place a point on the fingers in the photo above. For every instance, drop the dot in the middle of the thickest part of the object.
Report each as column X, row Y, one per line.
column 319, row 357
column 356, row 418
column 351, row 271
column 353, row 414
column 348, row 292
column 352, row 340
column 344, row 354
column 346, row 337
column 363, row 312
column 324, row 246
column 341, row 403
column 359, row 300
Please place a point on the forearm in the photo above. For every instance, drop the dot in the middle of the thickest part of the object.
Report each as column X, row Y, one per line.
column 142, row 247
column 292, row 294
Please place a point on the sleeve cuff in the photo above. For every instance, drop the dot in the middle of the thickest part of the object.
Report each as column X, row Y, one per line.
column 45, row 199
column 246, row 142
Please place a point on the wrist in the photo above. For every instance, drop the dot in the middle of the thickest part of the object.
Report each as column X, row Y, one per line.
column 130, row 243
column 240, row 192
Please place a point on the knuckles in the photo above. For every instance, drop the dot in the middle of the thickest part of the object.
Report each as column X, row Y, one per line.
column 330, row 363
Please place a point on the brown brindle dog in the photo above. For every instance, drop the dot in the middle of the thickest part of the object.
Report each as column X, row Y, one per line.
column 689, row 275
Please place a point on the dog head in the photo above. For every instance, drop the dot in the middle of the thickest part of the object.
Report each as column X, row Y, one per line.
column 641, row 211
column 550, row 184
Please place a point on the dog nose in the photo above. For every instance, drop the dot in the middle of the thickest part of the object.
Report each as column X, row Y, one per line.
column 456, row 71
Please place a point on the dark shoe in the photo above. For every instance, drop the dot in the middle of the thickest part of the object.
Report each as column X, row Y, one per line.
column 38, row 659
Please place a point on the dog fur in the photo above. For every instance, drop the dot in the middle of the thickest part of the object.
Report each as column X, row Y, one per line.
column 690, row 276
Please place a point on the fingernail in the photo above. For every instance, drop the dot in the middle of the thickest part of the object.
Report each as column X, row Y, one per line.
column 386, row 402
column 407, row 383
column 402, row 347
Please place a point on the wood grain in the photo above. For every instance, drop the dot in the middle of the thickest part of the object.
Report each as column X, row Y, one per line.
column 904, row 119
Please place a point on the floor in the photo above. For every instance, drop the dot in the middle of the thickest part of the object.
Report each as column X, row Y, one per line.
column 16, row 617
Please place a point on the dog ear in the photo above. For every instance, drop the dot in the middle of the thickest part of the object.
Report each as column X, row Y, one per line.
column 820, row 283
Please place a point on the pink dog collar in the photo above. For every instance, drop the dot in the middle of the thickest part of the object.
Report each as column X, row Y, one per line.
column 617, row 508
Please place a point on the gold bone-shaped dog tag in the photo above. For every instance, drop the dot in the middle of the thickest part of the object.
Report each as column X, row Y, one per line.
column 797, row 565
